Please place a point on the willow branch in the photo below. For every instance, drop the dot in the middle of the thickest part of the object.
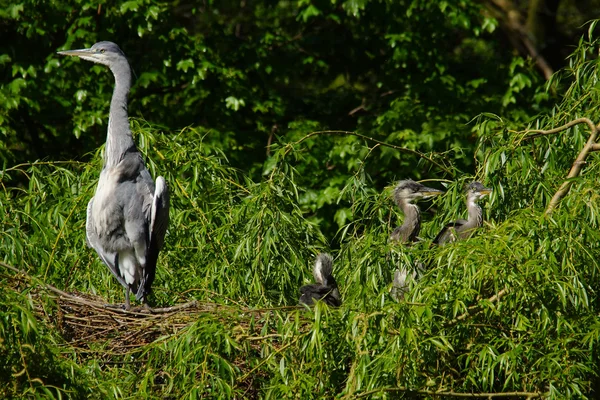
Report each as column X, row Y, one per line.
column 399, row 148
column 528, row 395
column 579, row 162
column 533, row 133
column 476, row 309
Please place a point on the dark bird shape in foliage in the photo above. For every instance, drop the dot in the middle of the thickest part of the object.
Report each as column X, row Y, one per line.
column 326, row 288
column 128, row 216
column 406, row 195
column 463, row 228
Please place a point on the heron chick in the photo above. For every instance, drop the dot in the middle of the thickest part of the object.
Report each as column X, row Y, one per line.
column 463, row 228
column 128, row 216
column 406, row 195
column 326, row 288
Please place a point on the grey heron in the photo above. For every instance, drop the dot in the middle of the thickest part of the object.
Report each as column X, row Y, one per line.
column 326, row 287
column 128, row 215
column 406, row 194
column 463, row 229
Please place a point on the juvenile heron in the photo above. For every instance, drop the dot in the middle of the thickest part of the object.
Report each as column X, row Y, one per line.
column 406, row 194
column 326, row 287
column 463, row 228
column 128, row 216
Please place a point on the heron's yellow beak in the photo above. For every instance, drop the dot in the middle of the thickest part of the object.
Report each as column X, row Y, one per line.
column 77, row 53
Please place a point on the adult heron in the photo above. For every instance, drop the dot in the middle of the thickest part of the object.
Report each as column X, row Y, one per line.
column 326, row 288
column 128, row 216
column 463, row 228
column 406, row 195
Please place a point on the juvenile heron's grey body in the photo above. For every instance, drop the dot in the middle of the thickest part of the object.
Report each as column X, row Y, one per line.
column 463, row 228
column 406, row 194
column 128, row 216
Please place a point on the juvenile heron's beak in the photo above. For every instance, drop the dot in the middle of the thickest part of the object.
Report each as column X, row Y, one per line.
column 430, row 192
column 485, row 191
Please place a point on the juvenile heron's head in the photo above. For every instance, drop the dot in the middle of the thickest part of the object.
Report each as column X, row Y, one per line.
column 410, row 191
column 476, row 190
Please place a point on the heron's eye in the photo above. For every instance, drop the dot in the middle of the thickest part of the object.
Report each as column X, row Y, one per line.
column 102, row 50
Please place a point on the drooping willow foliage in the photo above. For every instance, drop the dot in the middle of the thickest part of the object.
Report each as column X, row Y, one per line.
column 514, row 310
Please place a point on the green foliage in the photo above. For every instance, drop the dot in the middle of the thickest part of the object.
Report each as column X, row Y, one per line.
column 32, row 365
column 513, row 309
column 410, row 72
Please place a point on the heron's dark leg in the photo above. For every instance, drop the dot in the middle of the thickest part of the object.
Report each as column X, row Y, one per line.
column 147, row 307
column 127, row 305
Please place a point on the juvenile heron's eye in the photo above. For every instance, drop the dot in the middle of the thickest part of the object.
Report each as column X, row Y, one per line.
column 102, row 50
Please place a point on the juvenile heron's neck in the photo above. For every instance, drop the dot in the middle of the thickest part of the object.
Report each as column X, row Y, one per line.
column 475, row 214
column 119, row 140
column 409, row 230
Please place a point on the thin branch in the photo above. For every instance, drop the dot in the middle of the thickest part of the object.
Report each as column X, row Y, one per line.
column 399, row 148
column 533, row 133
column 579, row 162
column 476, row 309
column 528, row 395
column 267, row 358
column 518, row 33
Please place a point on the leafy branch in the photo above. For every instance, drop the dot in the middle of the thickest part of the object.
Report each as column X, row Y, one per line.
column 579, row 162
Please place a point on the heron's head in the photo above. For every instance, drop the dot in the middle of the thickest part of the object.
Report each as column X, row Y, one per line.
column 107, row 53
column 411, row 191
column 476, row 190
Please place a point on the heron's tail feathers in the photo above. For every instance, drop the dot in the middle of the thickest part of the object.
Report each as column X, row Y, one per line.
column 326, row 287
column 323, row 270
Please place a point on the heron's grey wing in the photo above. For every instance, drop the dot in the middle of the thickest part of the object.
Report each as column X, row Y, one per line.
column 448, row 233
column 109, row 258
column 160, row 213
column 159, row 221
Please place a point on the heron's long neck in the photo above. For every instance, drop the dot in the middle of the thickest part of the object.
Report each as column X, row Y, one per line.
column 412, row 221
column 119, row 140
column 475, row 219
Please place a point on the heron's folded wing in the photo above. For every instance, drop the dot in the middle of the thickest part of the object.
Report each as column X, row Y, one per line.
column 109, row 258
column 160, row 213
column 447, row 234
column 159, row 221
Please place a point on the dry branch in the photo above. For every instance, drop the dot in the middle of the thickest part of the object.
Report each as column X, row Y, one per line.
column 512, row 22
column 579, row 162
column 527, row 395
